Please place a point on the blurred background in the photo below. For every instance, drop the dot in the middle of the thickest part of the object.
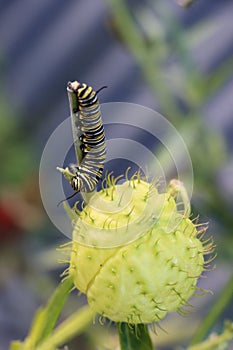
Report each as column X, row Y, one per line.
column 173, row 56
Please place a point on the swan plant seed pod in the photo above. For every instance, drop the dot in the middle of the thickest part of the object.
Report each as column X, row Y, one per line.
column 152, row 273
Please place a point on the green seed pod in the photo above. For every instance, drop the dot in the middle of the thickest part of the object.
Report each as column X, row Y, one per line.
column 156, row 271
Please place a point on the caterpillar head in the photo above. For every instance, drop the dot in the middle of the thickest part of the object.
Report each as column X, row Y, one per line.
column 79, row 89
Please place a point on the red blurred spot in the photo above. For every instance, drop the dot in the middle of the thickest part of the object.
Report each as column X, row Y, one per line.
column 9, row 227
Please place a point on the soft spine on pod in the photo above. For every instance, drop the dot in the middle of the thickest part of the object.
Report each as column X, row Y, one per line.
column 140, row 282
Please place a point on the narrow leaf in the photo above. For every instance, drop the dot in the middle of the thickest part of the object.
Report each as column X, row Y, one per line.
column 36, row 330
column 55, row 306
column 71, row 327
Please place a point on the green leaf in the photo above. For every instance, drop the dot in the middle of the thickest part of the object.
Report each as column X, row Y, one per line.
column 36, row 330
column 55, row 306
column 219, row 77
column 45, row 318
column 68, row 329
column 134, row 337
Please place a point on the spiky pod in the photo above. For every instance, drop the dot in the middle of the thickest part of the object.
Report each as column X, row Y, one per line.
column 141, row 281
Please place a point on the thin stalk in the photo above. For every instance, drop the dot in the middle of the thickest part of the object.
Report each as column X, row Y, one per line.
column 68, row 329
column 45, row 318
column 219, row 306
column 149, row 65
column 216, row 341
column 55, row 305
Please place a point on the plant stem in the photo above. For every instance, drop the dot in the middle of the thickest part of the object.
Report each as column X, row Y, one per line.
column 55, row 305
column 45, row 318
column 216, row 341
column 134, row 337
column 220, row 304
column 149, row 64
column 71, row 327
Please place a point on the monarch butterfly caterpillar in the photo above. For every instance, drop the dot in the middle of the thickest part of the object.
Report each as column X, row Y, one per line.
column 89, row 138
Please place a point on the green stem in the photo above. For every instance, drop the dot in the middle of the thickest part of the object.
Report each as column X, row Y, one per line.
column 220, row 304
column 45, row 318
column 149, row 64
column 134, row 337
column 71, row 327
column 55, row 305
column 216, row 341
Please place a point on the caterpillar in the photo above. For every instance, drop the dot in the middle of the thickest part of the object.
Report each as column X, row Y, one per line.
column 89, row 138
